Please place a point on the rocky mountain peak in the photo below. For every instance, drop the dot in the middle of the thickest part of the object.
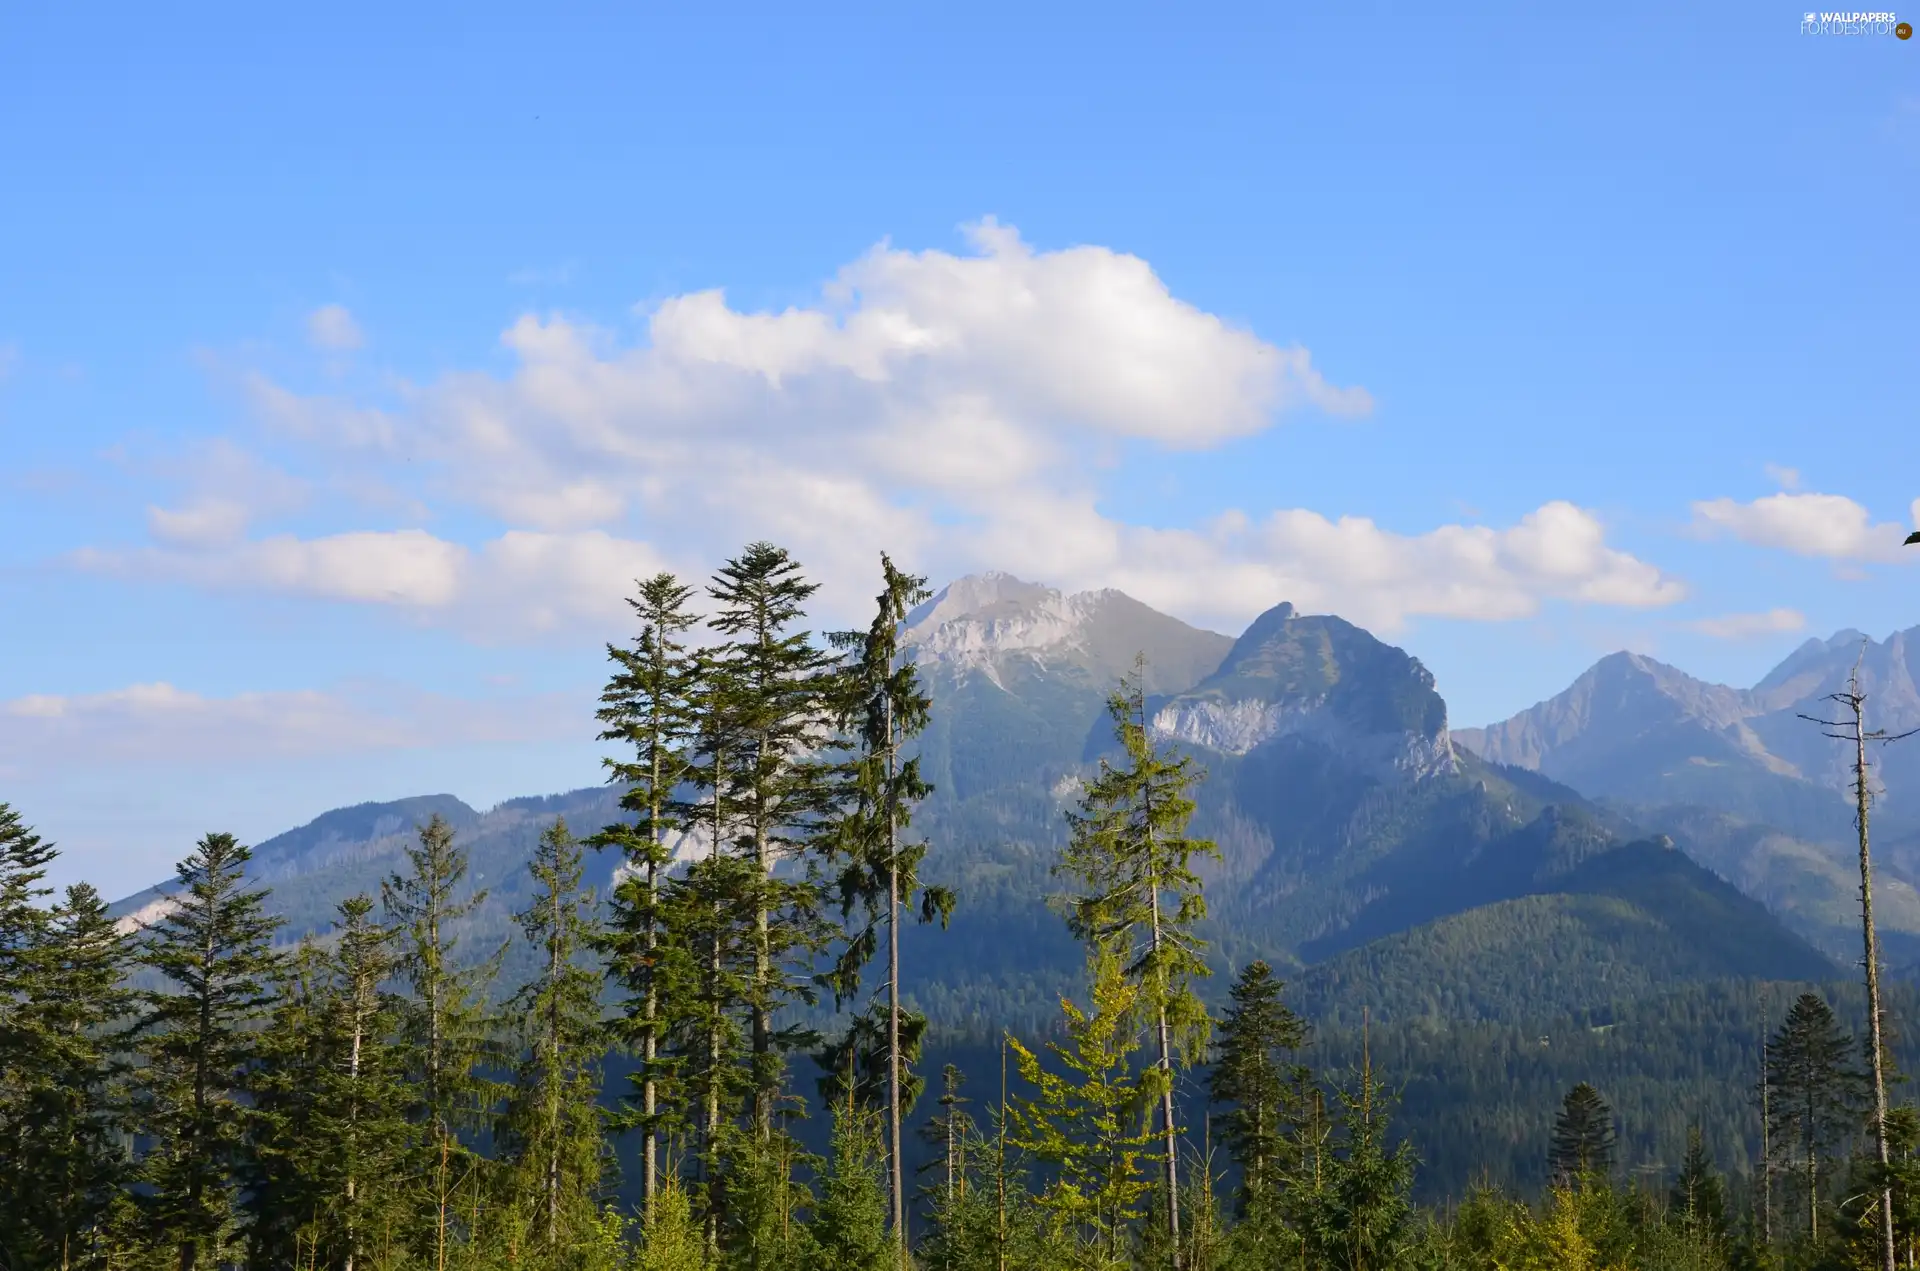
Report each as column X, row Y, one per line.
column 985, row 623
column 988, row 595
column 1322, row 680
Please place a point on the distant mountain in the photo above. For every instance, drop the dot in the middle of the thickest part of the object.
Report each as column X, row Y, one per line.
column 1344, row 816
column 1020, row 673
column 1619, row 925
column 1635, row 729
column 1349, row 825
column 1745, row 784
column 351, row 850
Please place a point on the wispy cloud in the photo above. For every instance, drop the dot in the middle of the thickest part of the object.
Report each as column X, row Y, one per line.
column 332, row 328
column 160, row 726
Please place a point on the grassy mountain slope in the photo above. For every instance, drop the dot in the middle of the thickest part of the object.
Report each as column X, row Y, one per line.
column 1629, row 920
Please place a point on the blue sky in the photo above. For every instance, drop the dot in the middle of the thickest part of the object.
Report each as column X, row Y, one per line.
column 351, row 361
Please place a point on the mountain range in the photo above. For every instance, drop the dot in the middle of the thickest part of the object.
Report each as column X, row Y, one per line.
column 1743, row 780
column 1633, row 869
column 1360, row 838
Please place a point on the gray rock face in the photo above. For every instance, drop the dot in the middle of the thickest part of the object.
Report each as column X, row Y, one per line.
column 997, row 626
column 1631, row 727
column 1325, row 682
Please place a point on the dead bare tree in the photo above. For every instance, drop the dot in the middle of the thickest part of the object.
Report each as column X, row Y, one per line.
column 1852, row 727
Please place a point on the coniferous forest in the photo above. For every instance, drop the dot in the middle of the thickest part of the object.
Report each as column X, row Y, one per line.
column 717, row 1064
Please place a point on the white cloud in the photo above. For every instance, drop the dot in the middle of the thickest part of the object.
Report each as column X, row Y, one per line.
column 225, row 490
column 1747, row 626
column 160, row 725
column 204, row 523
column 1829, row 526
column 1785, row 478
column 332, row 328
column 320, row 420
column 954, row 409
column 1350, row 566
column 521, row 584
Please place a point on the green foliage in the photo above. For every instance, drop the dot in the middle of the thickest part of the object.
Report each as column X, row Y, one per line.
column 446, row 1025
column 199, row 1040
column 1583, row 1137
column 670, row 1237
column 552, row 1131
column 335, row 1146
column 1349, row 1198
column 62, row 1097
column 1698, row 1199
column 764, row 1227
column 1816, row 1095
column 647, row 705
column 1254, row 1079
column 1087, row 1124
column 1138, row 899
column 776, row 689
column 851, row 1222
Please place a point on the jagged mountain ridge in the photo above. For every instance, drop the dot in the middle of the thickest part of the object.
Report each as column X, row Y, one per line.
column 1343, row 811
column 1748, row 786
column 1637, row 729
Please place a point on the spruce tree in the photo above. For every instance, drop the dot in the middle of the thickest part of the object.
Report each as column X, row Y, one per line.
column 446, row 1024
column 360, row 1132
column 1815, row 1090
column 1698, row 1196
column 708, row 955
column 950, row 1132
column 1251, row 1078
column 1140, row 896
column 199, row 1037
column 24, row 858
column 72, row 1116
column 670, row 1237
column 1357, row 1212
column 553, row 1127
column 883, row 707
column 648, row 705
column 287, row 1186
column 1583, row 1137
column 782, row 688
column 852, row 1225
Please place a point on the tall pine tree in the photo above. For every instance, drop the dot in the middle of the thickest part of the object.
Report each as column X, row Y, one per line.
column 199, row 1036
column 708, row 955
column 781, row 687
column 1253, row 1080
column 447, row 1027
column 360, row 1127
column 1583, row 1137
column 72, row 1117
column 553, row 1130
column 883, row 707
column 1815, row 1090
column 24, row 858
column 1140, row 896
column 647, row 705
column 1698, row 1196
